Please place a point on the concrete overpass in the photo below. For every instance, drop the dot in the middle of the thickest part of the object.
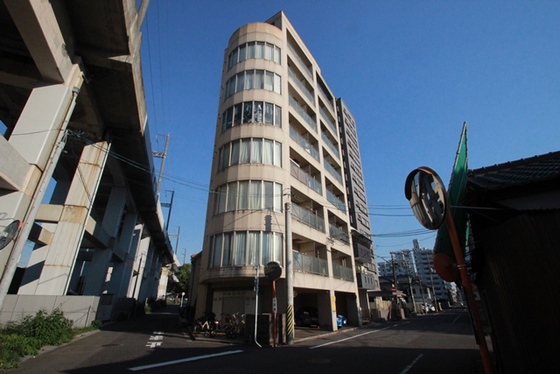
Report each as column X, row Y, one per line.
column 76, row 165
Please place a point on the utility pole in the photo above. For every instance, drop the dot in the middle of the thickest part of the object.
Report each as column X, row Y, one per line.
column 408, row 277
column 177, row 237
column 163, row 156
column 170, row 206
column 289, row 277
column 395, row 307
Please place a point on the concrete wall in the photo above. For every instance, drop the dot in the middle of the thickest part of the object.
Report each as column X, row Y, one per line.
column 80, row 309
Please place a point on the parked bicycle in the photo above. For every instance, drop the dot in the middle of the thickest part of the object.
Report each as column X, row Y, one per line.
column 234, row 325
column 207, row 324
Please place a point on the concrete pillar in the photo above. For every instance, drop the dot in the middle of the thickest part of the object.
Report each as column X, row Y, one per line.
column 38, row 140
column 121, row 252
column 63, row 250
column 96, row 269
column 139, row 265
column 154, row 273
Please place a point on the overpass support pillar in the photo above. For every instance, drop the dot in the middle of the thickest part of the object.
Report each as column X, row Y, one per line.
column 58, row 258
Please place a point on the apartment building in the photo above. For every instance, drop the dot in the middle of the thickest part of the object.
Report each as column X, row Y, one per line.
column 277, row 173
column 424, row 267
column 367, row 276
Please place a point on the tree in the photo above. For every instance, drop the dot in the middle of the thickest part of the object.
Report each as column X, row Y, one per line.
column 184, row 277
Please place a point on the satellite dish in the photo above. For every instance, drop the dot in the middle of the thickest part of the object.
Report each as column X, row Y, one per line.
column 9, row 233
column 445, row 267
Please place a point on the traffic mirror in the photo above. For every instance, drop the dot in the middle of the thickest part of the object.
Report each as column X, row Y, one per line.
column 426, row 194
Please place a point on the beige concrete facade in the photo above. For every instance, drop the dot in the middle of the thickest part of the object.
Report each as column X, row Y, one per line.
column 76, row 164
column 277, row 142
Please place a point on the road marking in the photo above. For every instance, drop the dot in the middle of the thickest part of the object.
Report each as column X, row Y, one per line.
column 153, row 340
column 406, row 369
column 153, row 344
column 349, row 338
column 196, row 358
column 455, row 320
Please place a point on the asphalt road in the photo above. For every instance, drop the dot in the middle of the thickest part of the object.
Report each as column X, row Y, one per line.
column 435, row 343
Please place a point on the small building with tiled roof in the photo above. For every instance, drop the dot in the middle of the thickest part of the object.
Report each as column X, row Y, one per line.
column 514, row 213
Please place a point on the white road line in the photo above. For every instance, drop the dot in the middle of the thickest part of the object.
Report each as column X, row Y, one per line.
column 349, row 338
column 455, row 320
column 406, row 369
column 145, row 367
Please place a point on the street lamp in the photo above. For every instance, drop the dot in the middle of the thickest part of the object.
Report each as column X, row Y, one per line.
column 428, row 200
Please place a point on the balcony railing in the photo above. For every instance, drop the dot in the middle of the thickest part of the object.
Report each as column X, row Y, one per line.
column 308, row 264
column 296, row 55
column 296, row 136
column 327, row 120
column 338, row 233
column 330, row 145
column 301, row 86
column 310, row 121
column 306, row 178
column 332, row 171
column 342, row 272
column 325, row 99
column 308, row 218
column 334, row 200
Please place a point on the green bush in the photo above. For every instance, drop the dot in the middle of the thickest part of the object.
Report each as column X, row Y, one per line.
column 49, row 329
column 20, row 345
column 95, row 324
column 32, row 333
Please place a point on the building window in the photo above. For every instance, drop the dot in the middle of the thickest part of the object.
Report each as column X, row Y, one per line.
column 248, row 195
column 253, row 79
column 252, row 112
column 250, row 151
column 251, row 50
column 245, row 248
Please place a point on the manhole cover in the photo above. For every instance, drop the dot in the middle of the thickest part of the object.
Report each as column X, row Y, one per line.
column 111, row 345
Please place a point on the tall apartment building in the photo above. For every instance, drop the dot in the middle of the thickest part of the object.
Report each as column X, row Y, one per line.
column 424, row 265
column 277, row 150
column 366, row 269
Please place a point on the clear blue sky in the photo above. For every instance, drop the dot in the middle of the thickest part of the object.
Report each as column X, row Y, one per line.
column 411, row 72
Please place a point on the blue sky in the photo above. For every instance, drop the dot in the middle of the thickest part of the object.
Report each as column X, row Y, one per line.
column 411, row 73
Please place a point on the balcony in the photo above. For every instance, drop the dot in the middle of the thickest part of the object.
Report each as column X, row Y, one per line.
column 305, row 178
column 308, row 218
column 308, row 264
column 343, row 272
column 299, row 109
column 338, row 233
column 330, row 145
column 299, row 139
column 325, row 98
column 334, row 200
column 299, row 59
column 332, row 171
column 327, row 120
column 301, row 86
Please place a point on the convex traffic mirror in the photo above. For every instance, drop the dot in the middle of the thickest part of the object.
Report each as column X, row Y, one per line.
column 426, row 194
